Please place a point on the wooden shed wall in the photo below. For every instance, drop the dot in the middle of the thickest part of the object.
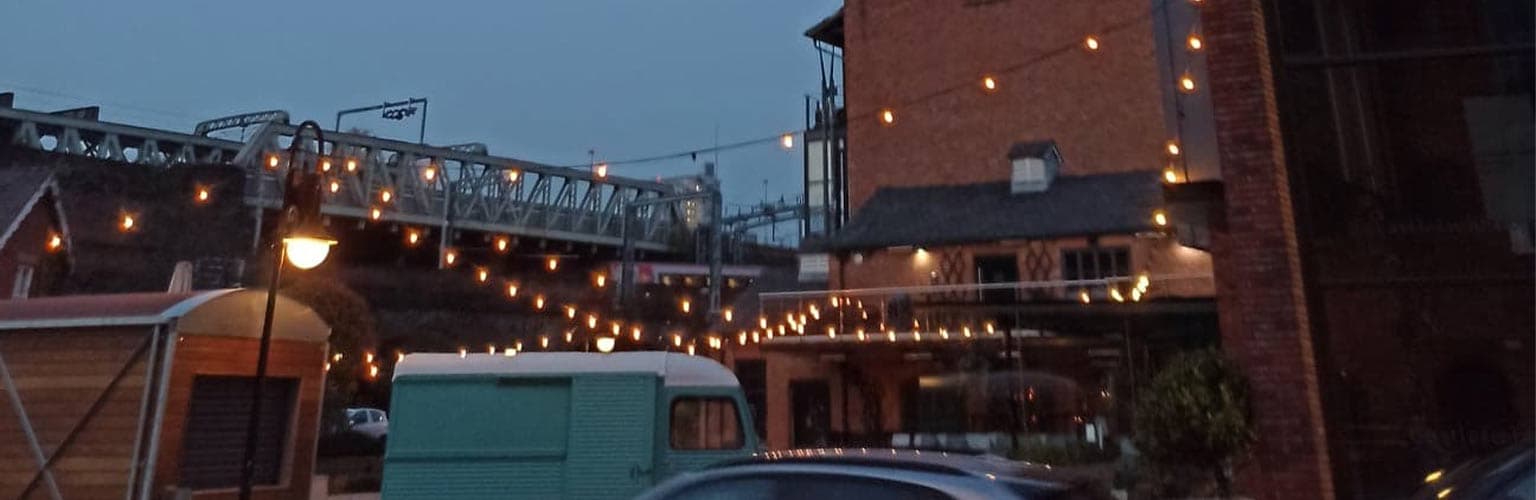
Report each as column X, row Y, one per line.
column 207, row 355
column 58, row 375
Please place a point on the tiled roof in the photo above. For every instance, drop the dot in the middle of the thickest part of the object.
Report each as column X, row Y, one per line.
column 1083, row 205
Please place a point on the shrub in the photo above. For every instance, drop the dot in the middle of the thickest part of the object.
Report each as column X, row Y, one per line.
column 1193, row 420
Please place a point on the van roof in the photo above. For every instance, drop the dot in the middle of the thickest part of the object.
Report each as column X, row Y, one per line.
column 675, row 369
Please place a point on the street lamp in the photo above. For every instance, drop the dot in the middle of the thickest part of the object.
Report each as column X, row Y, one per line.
column 304, row 244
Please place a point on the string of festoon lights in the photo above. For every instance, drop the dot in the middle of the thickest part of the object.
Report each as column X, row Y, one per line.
column 806, row 317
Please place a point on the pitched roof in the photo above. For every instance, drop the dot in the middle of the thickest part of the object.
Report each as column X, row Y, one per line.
column 222, row 313
column 1031, row 149
column 1083, row 205
column 21, row 190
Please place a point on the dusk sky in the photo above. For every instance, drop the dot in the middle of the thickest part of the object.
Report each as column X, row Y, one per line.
column 541, row 80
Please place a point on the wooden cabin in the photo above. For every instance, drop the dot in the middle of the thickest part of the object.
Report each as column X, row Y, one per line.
column 145, row 395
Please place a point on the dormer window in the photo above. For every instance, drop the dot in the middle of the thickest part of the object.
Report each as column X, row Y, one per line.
column 1035, row 164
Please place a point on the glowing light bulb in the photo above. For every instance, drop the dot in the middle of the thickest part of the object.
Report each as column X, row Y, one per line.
column 482, row 275
column 762, row 322
column 325, row 165
column 600, row 280
column 1160, row 218
column 451, row 257
column 787, row 141
column 677, row 340
column 272, row 162
column 127, row 222
column 429, row 174
column 601, row 170
column 1173, row 148
column 728, row 315
column 1170, row 176
column 351, row 165
column 55, row 242
column 1084, row 297
column 335, row 186
column 1091, row 43
column 538, row 302
column 553, row 264
column 570, row 312
column 988, row 83
column 1114, row 293
column 686, row 306
column 202, row 195
column 887, row 116
column 604, row 344
column 1187, row 83
column 1194, row 42
column 413, row 237
column 386, row 195
column 502, row 243
column 591, row 321
column 374, row 213
column 831, row 332
column 634, row 333
column 512, row 176
column 463, row 353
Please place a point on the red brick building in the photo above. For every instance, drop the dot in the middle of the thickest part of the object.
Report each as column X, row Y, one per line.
column 34, row 236
column 1001, row 278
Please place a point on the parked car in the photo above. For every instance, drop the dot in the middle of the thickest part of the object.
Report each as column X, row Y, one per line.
column 371, row 422
column 882, row 474
column 1509, row 474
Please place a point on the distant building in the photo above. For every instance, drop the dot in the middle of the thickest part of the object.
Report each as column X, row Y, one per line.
column 34, row 235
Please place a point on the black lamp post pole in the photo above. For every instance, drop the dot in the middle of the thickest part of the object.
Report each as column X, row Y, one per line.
column 253, row 421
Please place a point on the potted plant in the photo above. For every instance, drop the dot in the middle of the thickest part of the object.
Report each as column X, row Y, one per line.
column 1192, row 423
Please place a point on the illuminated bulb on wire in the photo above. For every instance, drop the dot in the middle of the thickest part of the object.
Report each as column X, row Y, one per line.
column 762, row 322
column 272, row 162
column 729, row 316
column 368, row 357
column 887, row 116
column 591, row 321
column 1114, row 293
column 966, row 330
column 55, row 242
column 991, row 329
column 988, row 83
column 570, row 312
column 126, row 224
column 1084, row 297
column 325, row 165
column 634, row 333
column 511, row 289
column 490, row 349
column 386, row 195
column 690, row 349
column 538, row 302
column 351, row 165
column 741, row 338
column 1187, row 83
column 1091, row 43
column 482, row 275
column 602, row 170
column 429, row 174
column 502, row 242
column 413, row 237
column 1173, row 148
column 1170, row 176
column 552, row 264
column 1194, row 42
column 831, row 332
column 202, row 195
column 677, row 340
column 450, row 257
column 1160, row 218
column 375, row 213
column 944, row 334
column 686, row 306
column 511, row 176
column 335, row 186
column 890, row 336
column 600, row 280
column 569, row 336
column 544, row 342
column 463, row 353
column 787, row 141
column 860, row 334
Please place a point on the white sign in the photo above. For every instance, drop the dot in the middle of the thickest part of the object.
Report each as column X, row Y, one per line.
column 814, row 267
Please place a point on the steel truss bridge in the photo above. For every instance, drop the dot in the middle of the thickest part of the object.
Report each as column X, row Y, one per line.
column 458, row 187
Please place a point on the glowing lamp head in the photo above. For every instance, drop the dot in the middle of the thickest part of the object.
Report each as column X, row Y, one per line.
column 306, row 252
column 604, row 344
column 570, row 312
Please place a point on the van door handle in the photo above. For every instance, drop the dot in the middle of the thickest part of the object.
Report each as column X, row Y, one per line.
column 635, row 471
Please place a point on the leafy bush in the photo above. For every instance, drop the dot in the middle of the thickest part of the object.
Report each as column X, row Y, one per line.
column 1193, row 420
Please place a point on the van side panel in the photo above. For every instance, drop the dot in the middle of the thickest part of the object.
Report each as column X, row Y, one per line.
column 472, row 437
column 611, row 436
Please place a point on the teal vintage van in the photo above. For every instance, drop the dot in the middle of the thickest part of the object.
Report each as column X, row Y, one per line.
column 557, row 425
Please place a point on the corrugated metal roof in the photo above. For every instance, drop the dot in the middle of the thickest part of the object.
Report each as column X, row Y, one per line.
column 223, row 313
column 1118, row 203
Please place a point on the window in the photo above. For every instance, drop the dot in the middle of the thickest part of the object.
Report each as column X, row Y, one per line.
column 1095, row 263
column 705, row 424
column 23, row 285
column 214, row 440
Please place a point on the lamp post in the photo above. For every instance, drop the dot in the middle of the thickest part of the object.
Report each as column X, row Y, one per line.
column 299, row 239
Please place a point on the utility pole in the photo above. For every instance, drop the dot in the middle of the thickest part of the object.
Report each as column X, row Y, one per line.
column 716, row 216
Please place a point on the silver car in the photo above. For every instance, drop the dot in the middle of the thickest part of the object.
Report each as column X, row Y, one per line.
column 371, row 422
column 882, row 474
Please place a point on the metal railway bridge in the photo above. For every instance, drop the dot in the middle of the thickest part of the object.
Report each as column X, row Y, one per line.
column 459, row 187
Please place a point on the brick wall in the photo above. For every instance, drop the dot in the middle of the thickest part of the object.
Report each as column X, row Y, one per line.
column 1103, row 109
column 1260, row 297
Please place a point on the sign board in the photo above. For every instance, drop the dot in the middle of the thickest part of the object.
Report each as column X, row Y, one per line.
column 814, row 267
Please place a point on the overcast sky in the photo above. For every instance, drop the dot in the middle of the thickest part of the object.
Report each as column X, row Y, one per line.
column 542, row 80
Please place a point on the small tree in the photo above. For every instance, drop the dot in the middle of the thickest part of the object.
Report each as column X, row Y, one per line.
column 1193, row 419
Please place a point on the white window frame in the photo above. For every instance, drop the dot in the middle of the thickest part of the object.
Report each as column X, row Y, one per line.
column 21, row 288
